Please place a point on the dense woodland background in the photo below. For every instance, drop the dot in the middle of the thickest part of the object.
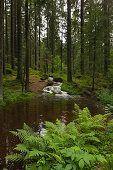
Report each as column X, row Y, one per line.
column 72, row 37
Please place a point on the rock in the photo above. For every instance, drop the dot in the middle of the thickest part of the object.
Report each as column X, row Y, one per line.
column 56, row 90
column 58, row 79
column 50, row 79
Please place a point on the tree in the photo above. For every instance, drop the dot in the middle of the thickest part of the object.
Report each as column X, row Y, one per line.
column 27, row 45
column 82, row 36
column 1, row 46
column 12, row 34
column 19, row 40
column 69, row 71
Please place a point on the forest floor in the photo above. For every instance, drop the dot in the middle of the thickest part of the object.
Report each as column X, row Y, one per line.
column 36, row 84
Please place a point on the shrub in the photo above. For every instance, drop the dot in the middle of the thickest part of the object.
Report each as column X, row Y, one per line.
column 79, row 145
column 105, row 96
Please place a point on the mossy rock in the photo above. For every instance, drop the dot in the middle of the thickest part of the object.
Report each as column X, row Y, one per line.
column 44, row 77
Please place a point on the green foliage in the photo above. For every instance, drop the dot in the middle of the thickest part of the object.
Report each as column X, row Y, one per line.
column 71, row 88
column 83, row 144
column 105, row 96
column 11, row 97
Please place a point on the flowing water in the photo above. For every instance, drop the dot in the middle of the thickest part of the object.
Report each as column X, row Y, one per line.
column 35, row 112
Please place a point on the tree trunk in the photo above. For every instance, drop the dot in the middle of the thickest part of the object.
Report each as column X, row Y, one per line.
column 94, row 59
column 6, row 34
column 61, row 53
column 35, row 38
column 19, row 40
column 1, row 46
column 39, row 39
column 106, row 37
column 82, row 36
column 30, row 63
column 27, row 45
column 69, row 70
column 15, row 28
column 52, row 36
column 12, row 34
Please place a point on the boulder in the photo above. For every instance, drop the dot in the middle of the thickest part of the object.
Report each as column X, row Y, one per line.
column 58, row 79
column 50, row 79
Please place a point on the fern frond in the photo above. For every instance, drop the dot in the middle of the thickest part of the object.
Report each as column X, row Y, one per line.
column 15, row 157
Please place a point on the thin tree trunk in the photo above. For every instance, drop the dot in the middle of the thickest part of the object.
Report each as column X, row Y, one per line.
column 15, row 28
column 27, row 44
column 35, row 38
column 106, row 37
column 69, row 70
column 30, row 63
column 12, row 34
column 1, row 46
column 82, row 36
column 52, row 37
column 94, row 59
column 6, row 34
column 61, row 53
column 19, row 40
column 39, row 40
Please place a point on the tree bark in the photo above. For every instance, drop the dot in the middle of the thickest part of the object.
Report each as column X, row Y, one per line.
column 12, row 34
column 35, row 38
column 106, row 37
column 1, row 46
column 69, row 70
column 19, row 40
column 82, row 36
column 27, row 45
column 6, row 34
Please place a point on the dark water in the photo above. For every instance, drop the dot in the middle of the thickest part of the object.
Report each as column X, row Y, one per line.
column 35, row 112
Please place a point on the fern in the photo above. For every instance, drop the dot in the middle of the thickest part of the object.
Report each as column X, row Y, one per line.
column 82, row 144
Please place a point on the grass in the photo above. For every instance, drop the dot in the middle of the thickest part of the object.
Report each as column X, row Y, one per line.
column 12, row 88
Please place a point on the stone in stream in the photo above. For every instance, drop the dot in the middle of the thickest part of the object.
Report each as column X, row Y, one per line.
column 56, row 89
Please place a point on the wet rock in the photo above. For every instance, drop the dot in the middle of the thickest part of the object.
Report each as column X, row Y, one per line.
column 50, row 79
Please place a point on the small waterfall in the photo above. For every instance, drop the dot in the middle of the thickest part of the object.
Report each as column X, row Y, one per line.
column 55, row 89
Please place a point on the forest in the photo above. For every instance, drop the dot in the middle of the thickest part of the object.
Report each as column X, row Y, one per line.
column 42, row 43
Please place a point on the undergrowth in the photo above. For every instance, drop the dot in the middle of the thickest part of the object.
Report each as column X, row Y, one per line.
column 86, row 143
column 105, row 96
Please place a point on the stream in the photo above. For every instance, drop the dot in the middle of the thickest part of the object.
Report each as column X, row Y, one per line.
column 34, row 113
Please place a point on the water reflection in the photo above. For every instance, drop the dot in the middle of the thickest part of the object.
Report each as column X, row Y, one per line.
column 34, row 113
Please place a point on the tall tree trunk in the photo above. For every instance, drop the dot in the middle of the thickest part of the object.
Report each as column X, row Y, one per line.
column 3, row 54
column 94, row 59
column 82, row 36
column 6, row 34
column 1, row 46
column 106, row 37
column 27, row 45
column 61, row 53
column 15, row 28
column 30, row 12
column 39, row 39
column 35, row 38
column 69, row 70
column 12, row 34
column 19, row 40
column 53, row 36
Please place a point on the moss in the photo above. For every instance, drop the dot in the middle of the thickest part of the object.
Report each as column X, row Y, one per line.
column 71, row 88
column 12, row 97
